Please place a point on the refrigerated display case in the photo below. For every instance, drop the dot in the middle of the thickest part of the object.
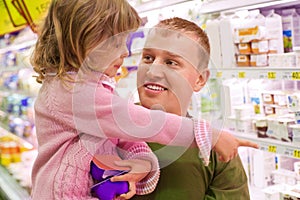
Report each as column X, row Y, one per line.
column 17, row 135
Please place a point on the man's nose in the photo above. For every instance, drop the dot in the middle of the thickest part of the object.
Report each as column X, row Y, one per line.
column 155, row 70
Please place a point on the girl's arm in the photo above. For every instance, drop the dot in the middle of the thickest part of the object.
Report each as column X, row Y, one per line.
column 98, row 112
column 141, row 151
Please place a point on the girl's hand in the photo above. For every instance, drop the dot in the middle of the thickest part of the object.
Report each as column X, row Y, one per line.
column 227, row 146
column 139, row 169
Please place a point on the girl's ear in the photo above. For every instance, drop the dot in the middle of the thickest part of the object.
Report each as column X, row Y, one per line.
column 201, row 81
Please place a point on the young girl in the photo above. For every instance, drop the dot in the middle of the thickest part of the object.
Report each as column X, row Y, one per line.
column 80, row 48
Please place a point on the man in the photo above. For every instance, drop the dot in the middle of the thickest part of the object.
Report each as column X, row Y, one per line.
column 173, row 66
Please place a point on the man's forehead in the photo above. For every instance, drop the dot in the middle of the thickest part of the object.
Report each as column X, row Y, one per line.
column 175, row 42
column 169, row 53
column 171, row 35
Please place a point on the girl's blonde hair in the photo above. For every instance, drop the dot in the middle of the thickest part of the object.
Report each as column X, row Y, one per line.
column 72, row 28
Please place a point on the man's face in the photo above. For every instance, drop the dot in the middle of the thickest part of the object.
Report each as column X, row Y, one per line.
column 166, row 80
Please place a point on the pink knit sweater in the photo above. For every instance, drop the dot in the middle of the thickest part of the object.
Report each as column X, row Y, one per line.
column 74, row 123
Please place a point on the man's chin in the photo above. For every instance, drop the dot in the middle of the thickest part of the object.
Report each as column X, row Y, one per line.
column 157, row 107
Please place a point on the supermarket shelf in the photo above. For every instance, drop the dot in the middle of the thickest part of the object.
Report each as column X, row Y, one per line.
column 257, row 73
column 10, row 188
column 156, row 4
column 10, row 69
column 14, row 47
column 232, row 5
column 5, row 132
column 272, row 145
column 8, row 91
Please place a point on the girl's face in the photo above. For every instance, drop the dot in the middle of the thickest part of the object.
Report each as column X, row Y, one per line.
column 108, row 56
column 113, row 67
column 117, row 52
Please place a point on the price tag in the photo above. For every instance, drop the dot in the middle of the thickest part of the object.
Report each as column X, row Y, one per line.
column 219, row 74
column 272, row 149
column 296, row 153
column 263, row 147
column 272, row 75
column 295, row 75
column 286, row 76
column 242, row 75
column 262, row 76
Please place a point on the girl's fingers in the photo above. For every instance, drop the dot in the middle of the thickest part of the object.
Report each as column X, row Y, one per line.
column 131, row 192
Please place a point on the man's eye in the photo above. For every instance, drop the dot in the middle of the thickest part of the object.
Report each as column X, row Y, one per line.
column 147, row 58
column 171, row 62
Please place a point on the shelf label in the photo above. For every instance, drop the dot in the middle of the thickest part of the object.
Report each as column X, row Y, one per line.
column 242, row 74
column 219, row 74
column 272, row 75
column 296, row 153
column 262, row 75
column 286, row 76
column 272, row 149
column 295, row 75
column 264, row 147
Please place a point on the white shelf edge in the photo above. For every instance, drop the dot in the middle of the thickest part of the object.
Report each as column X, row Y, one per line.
column 10, row 187
column 269, row 73
column 14, row 47
column 157, row 4
column 229, row 5
column 272, row 145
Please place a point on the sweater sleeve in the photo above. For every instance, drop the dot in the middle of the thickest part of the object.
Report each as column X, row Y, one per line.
column 203, row 139
column 140, row 150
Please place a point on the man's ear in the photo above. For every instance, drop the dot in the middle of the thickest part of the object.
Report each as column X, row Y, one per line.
column 202, row 79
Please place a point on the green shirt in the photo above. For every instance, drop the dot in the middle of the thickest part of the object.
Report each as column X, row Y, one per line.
column 188, row 179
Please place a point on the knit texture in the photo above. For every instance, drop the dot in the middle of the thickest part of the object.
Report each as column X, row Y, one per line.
column 203, row 135
column 61, row 170
column 147, row 185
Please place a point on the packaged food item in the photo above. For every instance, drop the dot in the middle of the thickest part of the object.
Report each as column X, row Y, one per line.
column 297, row 166
column 268, row 98
column 260, row 46
column 213, row 32
column 234, row 95
column 249, row 34
column 282, row 60
column 269, row 110
column 228, row 24
column 297, row 56
column 244, row 125
column 241, row 111
column 293, row 102
column 291, row 194
column 244, row 48
column 230, row 123
column 297, row 117
column 243, row 60
column 295, row 133
column 5, row 156
column 261, row 126
column 291, row 31
column 274, row 32
column 258, row 60
column 252, row 28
